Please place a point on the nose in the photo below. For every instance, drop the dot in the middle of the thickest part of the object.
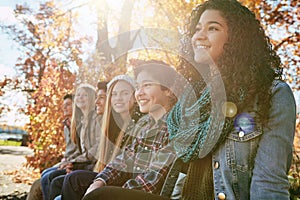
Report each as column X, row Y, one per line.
column 97, row 101
column 79, row 96
column 139, row 91
column 118, row 97
column 200, row 34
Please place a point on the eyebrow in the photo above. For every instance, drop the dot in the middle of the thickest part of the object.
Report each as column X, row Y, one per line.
column 145, row 81
column 212, row 22
column 125, row 90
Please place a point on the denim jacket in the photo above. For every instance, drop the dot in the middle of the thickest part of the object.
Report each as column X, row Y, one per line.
column 255, row 165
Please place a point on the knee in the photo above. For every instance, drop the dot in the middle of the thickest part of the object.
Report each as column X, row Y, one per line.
column 57, row 181
column 45, row 178
column 68, row 180
column 100, row 193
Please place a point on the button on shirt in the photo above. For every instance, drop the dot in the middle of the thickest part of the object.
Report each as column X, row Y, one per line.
column 145, row 163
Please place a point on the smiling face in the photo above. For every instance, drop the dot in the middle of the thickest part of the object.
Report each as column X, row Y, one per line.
column 100, row 101
column 149, row 94
column 82, row 99
column 210, row 36
column 67, row 108
column 122, row 98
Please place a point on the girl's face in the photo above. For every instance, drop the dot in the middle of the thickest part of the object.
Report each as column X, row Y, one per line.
column 210, row 36
column 149, row 94
column 122, row 98
column 82, row 99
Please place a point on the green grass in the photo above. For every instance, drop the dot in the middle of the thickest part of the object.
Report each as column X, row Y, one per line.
column 9, row 143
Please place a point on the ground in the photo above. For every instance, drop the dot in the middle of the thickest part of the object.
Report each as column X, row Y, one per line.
column 12, row 158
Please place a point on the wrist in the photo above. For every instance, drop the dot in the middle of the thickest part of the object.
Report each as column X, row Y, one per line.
column 100, row 180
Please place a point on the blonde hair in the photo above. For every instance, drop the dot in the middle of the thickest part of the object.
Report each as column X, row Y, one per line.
column 77, row 113
column 108, row 122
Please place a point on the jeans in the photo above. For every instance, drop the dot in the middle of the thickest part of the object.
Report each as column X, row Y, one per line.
column 45, row 181
column 76, row 183
column 47, row 176
column 119, row 193
column 58, row 197
column 56, row 183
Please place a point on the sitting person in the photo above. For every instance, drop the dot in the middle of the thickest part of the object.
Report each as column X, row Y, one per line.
column 139, row 166
column 238, row 144
column 35, row 192
column 84, row 124
column 119, row 118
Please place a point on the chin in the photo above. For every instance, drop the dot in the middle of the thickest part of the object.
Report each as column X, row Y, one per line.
column 201, row 60
column 144, row 110
column 99, row 112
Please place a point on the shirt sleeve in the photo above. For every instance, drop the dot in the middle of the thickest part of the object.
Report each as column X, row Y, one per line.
column 274, row 154
column 116, row 172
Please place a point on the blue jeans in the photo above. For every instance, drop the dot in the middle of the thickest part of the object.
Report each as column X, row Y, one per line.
column 56, row 183
column 45, row 180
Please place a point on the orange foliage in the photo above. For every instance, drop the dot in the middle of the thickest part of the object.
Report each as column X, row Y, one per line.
column 45, row 128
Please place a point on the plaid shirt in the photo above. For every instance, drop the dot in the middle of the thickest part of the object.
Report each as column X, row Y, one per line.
column 145, row 163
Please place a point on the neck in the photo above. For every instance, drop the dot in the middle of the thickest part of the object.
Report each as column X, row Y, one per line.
column 85, row 112
column 125, row 116
column 157, row 112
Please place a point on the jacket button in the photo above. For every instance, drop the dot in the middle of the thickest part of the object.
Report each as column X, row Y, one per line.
column 216, row 165
column 221, row 196
column 241, row 134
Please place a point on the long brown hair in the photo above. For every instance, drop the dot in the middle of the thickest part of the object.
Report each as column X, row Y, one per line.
column 111, row 132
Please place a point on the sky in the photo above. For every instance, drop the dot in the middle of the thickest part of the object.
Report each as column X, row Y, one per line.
column 9, row 53
column 8, row 56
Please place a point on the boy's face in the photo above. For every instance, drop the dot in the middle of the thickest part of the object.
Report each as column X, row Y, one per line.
column 149, row 95
column 100, row 101
column 67, row 108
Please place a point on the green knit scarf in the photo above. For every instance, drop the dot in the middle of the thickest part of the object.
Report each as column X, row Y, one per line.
column 195, row 126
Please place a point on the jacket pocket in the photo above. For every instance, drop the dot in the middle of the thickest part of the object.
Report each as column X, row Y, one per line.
column 241, row 149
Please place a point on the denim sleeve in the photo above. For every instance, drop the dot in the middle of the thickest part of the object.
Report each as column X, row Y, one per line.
column 274, row 153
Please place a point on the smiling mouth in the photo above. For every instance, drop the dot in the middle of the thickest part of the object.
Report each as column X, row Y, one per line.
column 197, row 45
column 142, row 101
column 201, row 47
column 119, row 104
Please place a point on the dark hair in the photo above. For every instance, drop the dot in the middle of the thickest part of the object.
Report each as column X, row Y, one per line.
column 102, row 85
column 160, row 71
column 69, row 96
column 248, row 64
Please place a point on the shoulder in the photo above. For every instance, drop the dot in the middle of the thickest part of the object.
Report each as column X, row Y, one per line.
column 280, row 85
column 281, row 90
column 283, row 101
